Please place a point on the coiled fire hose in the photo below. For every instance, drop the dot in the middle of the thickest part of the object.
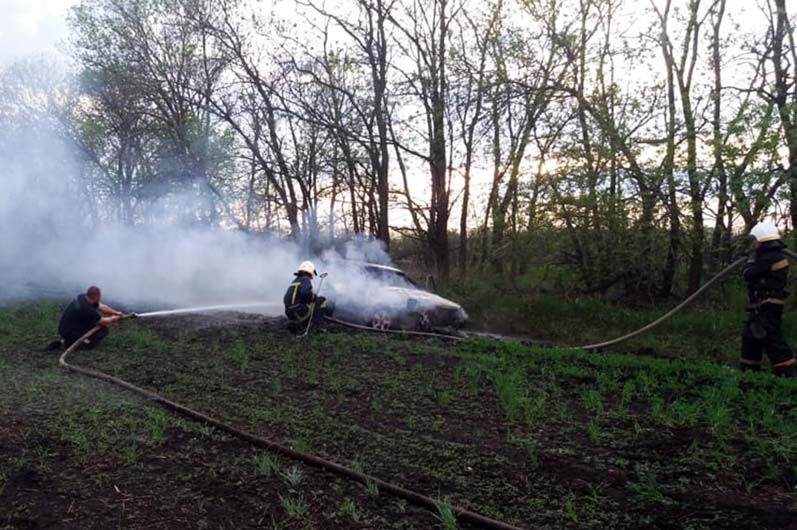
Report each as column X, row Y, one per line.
column 413, row 497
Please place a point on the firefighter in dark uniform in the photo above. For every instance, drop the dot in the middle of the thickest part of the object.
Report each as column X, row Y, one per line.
column 766, row 275
column 301, row 304
column 82, row 314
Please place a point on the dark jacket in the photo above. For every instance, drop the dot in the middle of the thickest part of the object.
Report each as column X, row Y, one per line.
column 766, row 273
column 78, row 317
column 300, row 292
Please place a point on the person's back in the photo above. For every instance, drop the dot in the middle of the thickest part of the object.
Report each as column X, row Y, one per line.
column 300, row 291
column 78, row 318
column 301, row 303
column 766, row 275
column 81, row 315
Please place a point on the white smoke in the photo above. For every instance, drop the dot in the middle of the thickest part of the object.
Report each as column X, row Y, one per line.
column 56, row 239
column 51, row 242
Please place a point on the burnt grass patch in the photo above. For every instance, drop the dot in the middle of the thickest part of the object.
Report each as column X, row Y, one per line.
column 535, row 437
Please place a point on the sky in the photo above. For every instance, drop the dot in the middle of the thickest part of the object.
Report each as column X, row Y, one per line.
column 32, row 27
column 35, row 27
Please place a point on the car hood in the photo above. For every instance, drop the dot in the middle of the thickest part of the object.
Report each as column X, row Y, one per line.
column 422, row 297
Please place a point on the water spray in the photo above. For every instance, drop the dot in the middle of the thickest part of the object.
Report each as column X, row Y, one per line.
column 204, row 309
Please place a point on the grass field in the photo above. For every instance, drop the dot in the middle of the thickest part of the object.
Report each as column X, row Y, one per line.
column 538, row 437
column 709, row 329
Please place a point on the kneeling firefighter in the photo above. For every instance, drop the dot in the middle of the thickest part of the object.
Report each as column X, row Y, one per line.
column 766, row 275
column 301, row 304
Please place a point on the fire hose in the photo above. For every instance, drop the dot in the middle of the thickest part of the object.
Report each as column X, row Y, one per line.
column 413, row 497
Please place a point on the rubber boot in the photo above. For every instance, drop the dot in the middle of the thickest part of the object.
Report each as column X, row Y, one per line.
column 294, row 327
column 750, row 367
column 55, row 345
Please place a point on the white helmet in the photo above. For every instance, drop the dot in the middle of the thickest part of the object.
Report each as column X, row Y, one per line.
column 765, row 231
column 308, row 267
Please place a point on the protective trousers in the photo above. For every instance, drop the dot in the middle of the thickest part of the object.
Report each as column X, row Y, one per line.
column 301, row 313
column 763, row 333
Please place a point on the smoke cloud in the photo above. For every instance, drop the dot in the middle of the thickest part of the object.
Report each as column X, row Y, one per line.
column 50, row 246
column 56, row 240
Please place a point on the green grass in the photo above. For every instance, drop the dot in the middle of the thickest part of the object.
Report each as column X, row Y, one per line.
column 709, row 329
column 730, row 405
column 265, row 465
column 295, row 507
column 81, row 438
column 448, row 521
column 539, row 437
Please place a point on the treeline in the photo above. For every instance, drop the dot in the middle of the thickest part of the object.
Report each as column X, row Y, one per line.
column 645, row 134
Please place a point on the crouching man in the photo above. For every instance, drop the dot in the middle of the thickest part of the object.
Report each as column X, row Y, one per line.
column 301, row 303
column 82, row 314
column 766, row 275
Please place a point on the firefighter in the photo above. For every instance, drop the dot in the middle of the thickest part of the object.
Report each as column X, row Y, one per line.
column 82, row 314
column 301, row 304
column 766, row 275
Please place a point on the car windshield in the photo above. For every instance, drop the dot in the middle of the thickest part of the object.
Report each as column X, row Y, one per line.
column 390, row 277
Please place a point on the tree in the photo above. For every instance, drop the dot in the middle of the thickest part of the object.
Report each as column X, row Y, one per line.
column 426, row 25
column 149, row 50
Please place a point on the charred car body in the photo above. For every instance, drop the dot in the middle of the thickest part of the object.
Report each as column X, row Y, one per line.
column 384, row 297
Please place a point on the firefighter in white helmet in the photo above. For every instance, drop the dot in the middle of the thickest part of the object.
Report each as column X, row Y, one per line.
column 766, row 275
column 301, row 303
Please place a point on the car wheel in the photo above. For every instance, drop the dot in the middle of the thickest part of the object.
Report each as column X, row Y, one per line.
column 381, row 320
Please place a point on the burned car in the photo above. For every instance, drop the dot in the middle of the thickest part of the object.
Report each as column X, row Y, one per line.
column 384, row 297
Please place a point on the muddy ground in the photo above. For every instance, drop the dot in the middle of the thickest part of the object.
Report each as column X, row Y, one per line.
column 564, row 444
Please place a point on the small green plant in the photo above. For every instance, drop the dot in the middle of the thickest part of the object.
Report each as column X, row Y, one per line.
column 594, row 430
column 445, row 396
column 157, row 423
column 293, row 476
column 298, row 443
column 349, row 507
column 592, row 400
column 569, row 507
column 627, row 393
column 509, row 388
column 646, row 490
column 535, row 409
column 372, row 488
column 683, row 412
column 595, row 494
column 130, row 455
column 295, row 507
column 716, row 404
column 239, row 353
column 76, row 435
column 265, row 465
column 445, row 514
column 659, row 411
